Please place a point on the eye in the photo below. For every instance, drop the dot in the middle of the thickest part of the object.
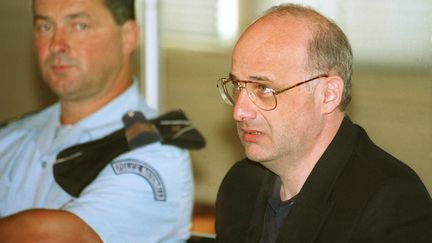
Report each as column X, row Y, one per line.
column 234, row 88
column 43, row 27
column 236, row 85
column 263, row 90
column 81, row 26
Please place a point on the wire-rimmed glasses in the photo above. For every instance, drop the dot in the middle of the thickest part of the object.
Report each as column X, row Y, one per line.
column 262, row 96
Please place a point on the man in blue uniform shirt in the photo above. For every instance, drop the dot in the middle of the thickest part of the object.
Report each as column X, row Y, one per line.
column 84, row 52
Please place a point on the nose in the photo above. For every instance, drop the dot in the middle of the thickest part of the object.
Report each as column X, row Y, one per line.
column 244, row 108
column 59, row 42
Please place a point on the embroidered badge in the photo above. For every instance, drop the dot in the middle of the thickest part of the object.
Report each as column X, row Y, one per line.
column 145, row 170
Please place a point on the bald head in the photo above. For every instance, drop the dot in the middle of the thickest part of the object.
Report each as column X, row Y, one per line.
column 267, row 52
column 317, row 44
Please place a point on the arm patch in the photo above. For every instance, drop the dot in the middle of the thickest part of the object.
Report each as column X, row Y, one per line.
column 131, row 166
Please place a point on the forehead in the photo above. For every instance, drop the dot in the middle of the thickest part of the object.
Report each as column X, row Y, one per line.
column 68, row 7
column 272, row 46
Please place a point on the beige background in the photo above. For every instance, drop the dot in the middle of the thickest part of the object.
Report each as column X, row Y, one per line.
column 394, row 104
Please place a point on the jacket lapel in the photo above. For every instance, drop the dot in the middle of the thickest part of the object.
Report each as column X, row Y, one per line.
column 256, row 224
column 304, row 222
column 313, row 204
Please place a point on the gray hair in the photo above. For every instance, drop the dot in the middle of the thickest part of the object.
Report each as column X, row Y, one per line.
column 328, row 49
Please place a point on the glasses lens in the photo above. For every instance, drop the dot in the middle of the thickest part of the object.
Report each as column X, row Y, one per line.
column 224, row 86
column 261, row 96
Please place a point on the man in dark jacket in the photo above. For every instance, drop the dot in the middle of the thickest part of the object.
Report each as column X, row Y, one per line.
column 311, row 175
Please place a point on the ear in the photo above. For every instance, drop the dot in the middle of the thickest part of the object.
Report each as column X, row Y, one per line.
column 332, row 94
column 130, row 33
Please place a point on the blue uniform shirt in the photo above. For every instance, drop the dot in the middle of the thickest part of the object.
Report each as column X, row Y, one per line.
column 144, row 195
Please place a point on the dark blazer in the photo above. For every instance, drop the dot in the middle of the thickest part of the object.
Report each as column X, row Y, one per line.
column 356, row 193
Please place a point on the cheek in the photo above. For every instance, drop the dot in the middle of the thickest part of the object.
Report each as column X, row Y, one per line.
column 279, row 125
column 95, row 53
column 41, row 50
column 284, row 120
column 88, row 55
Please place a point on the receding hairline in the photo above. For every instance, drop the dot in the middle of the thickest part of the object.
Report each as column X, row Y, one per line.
column 328, row 48
column 309, row 17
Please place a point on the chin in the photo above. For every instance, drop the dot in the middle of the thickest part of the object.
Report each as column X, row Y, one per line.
column 257, row 155
column 61, row 87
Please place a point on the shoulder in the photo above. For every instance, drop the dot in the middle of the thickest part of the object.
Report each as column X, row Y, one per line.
column 236, row 200
column 149, row 112
column 379, row 166
column 17, row 119
column 30, row 120
column 241, row 181
column 158, row 153
column 369, row 169
column 169, row 165
column 383, row 187
column 395, row 200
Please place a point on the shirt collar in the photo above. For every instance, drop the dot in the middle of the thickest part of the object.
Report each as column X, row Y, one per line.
column 110, row 115
column 275, row 201
column 96, row 125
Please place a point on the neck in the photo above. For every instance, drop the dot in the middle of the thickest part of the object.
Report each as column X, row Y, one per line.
column 294, row 171
column 72, row 111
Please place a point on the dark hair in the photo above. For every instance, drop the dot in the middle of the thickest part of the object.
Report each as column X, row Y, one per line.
column 328, row 49
column 121, row 10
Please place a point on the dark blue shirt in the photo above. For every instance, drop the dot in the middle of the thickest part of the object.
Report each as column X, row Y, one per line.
column 275, row 214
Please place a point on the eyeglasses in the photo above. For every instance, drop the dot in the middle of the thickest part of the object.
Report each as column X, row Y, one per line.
column 262, row 96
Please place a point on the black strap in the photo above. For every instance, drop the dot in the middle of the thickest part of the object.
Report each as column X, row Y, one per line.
column 79, row 165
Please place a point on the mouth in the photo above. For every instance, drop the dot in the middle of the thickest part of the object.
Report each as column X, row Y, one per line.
column 59, row 68
column 250, row 135
column 251, row 132
column 60, row 63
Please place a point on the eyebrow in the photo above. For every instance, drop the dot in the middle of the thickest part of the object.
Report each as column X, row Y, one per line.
column 252, row 78
column 40, row 17
column 78, row 15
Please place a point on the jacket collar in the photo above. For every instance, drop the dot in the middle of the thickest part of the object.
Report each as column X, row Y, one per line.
column 313, row 202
